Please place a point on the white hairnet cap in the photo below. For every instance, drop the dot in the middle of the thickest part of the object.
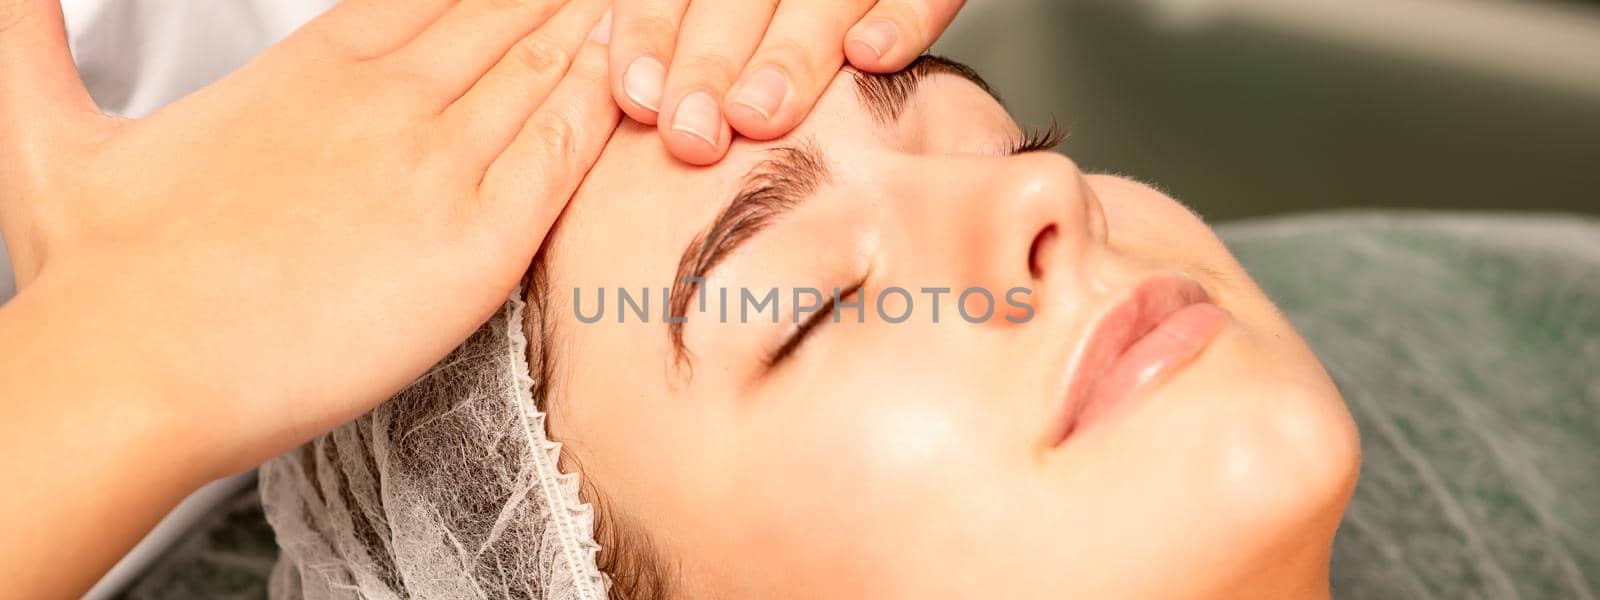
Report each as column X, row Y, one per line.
column 449, row 490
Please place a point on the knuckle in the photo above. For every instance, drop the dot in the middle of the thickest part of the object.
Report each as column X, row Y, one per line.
column 557, row 133
column 655, row 30
column 591, row 67
column 11, row 14
column 340, row 43
column 398, row 92
column 414, row 149
column 539, row 53
column 912, row 17
column 800, row 60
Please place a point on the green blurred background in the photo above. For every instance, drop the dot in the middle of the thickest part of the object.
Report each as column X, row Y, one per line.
column 1252, row 107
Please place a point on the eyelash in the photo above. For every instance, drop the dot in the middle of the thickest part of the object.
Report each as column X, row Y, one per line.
column 804, row 331
column 1039, row 140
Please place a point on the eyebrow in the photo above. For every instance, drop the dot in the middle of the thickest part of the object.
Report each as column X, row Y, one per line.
column 885, row 96
column 787, row 178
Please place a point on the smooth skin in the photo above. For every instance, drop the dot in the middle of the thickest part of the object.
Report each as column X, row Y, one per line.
column 703, row 70
column 914, row 460
column 271, row 256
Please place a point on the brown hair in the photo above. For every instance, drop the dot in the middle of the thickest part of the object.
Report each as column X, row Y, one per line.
column 627, row 553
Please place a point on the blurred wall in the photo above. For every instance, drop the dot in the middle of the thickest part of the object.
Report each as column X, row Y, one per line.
column 1250, row 107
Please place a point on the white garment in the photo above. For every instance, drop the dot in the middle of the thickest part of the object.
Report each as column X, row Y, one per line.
column 139, row 55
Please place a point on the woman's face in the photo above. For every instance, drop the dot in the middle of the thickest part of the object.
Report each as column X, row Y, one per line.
column 950, row 459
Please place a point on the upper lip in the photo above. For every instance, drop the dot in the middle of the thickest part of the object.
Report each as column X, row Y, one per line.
column 1118, row 327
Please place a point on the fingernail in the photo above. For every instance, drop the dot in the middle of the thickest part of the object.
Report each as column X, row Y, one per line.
column 698, row 116
column 764, row 91
column 602, row 31
column 877, row 35
column 643, row 81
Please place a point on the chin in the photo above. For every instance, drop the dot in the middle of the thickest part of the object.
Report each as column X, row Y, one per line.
column 1288, row 464
column 1277, row 452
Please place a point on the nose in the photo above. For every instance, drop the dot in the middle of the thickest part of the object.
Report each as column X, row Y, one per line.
column 1043, row 221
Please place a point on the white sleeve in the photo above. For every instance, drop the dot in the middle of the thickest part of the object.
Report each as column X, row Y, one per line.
column 136, row 56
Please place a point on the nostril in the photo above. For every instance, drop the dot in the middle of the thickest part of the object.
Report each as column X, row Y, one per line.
column 1041, row 247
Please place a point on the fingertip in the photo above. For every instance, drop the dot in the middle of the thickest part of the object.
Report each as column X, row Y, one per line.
column 644, row 40
column 762, row 105
column 639, row 85
column 694, row 151
column 694, row 131
column 874, row 45
column 635, row 112
column 756, row 126
column 864, row 58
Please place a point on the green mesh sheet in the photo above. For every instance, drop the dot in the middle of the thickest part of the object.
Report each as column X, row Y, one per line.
column 1468, row 348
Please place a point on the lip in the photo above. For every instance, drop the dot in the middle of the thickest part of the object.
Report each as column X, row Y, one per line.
column 1153, row 330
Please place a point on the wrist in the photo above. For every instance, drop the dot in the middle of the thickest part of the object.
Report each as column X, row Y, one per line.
column 95, row 449
column 95, row 365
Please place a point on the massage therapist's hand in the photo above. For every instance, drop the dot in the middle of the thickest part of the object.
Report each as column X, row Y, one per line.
column 267, row 258
column 701, row 70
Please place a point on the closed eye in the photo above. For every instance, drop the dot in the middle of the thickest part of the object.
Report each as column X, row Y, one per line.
column 1039, row 140
column 802, row 333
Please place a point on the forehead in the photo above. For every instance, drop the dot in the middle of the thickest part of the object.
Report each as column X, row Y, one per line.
column 638, row 195
column 630, row 221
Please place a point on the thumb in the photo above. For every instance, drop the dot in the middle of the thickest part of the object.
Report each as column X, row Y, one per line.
column 42, row 105
column 40, row 90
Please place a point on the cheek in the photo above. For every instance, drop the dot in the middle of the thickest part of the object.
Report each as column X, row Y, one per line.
column 871, row 442
column 864, row 474
column 1143, row 222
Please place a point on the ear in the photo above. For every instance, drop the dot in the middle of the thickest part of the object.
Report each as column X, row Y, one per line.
column 40, row 91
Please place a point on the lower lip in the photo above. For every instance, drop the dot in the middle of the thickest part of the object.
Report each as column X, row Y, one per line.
column 1175, row 341
column 1166, row 346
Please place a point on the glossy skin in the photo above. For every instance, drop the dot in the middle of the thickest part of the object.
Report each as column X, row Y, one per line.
column 912, row 460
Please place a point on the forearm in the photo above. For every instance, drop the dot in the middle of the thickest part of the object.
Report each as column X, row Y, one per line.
column 90, row 444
